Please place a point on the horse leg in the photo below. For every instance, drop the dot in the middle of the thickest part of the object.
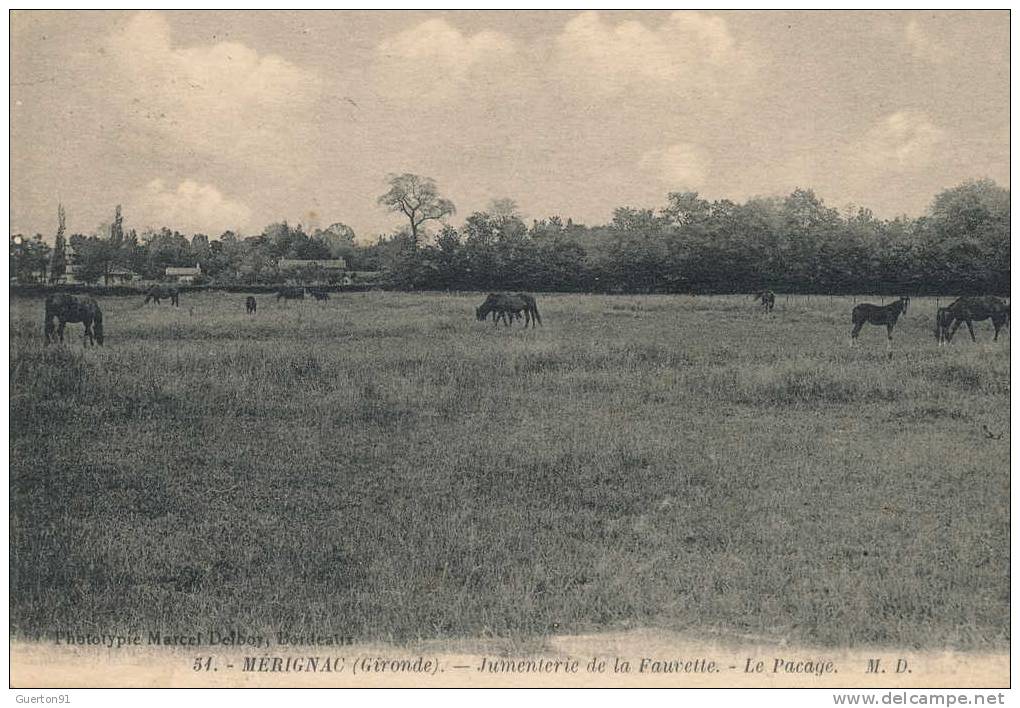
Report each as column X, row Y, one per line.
column 970, row 328
column 856, row 330
column 952, row 331
column 87, row 337
column 888, row 329
column 48, row 329
column 60, row 331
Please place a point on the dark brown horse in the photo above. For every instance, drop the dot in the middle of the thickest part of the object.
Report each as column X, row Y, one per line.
column 250, row 305
column 887, row 315
column 768, row 300
column 68, row 308
column 506, row 306
column 158, row 292
column 967, row 310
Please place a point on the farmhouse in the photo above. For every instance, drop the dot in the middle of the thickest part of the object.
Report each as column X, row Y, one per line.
column 121, row 275
column 184, row 275
column 117, row 276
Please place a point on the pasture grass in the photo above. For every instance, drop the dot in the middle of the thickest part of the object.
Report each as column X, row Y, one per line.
column 386, row 467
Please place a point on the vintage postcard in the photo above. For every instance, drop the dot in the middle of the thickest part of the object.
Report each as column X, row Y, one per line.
column 509, row 348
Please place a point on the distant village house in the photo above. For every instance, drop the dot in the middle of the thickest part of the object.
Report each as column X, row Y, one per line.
column 117, row 276
column 184, row 275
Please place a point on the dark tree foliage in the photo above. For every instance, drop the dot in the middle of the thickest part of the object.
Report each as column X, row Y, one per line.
column 29, row 258
column 795, row 244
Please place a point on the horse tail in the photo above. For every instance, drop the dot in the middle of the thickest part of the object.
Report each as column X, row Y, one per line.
column 856, row 315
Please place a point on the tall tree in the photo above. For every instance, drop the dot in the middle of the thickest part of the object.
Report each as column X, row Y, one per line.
column 117, row 229
column 58, row 259
column 339, row 239
column 418, row 199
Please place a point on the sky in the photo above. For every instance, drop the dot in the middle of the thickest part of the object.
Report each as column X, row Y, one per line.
column 207, row 121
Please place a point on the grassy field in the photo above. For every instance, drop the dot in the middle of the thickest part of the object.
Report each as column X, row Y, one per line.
column 386, row 467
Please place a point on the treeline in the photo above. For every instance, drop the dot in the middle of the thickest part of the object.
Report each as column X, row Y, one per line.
column 792, row 244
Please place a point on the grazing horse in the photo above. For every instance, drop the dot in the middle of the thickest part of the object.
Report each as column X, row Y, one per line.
column 768, row 300
column 68, row 308
column 967, row 310
column 506, row 307
column 157, row 293
column 291, row 294
column 877, row 315
column 320, row 295
column 250, row 305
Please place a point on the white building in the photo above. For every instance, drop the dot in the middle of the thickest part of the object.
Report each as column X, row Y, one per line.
column 184, row 275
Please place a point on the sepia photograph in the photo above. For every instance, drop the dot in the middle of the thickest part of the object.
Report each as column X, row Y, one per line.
column 510, row 348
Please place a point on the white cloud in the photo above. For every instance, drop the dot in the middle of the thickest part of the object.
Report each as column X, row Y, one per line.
column 904, row 140
column 225, row 99
column 690, row 52
column 433, row 60
column 921, row 45
column 893, row 166
column 680, row 166
column 190, row 207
